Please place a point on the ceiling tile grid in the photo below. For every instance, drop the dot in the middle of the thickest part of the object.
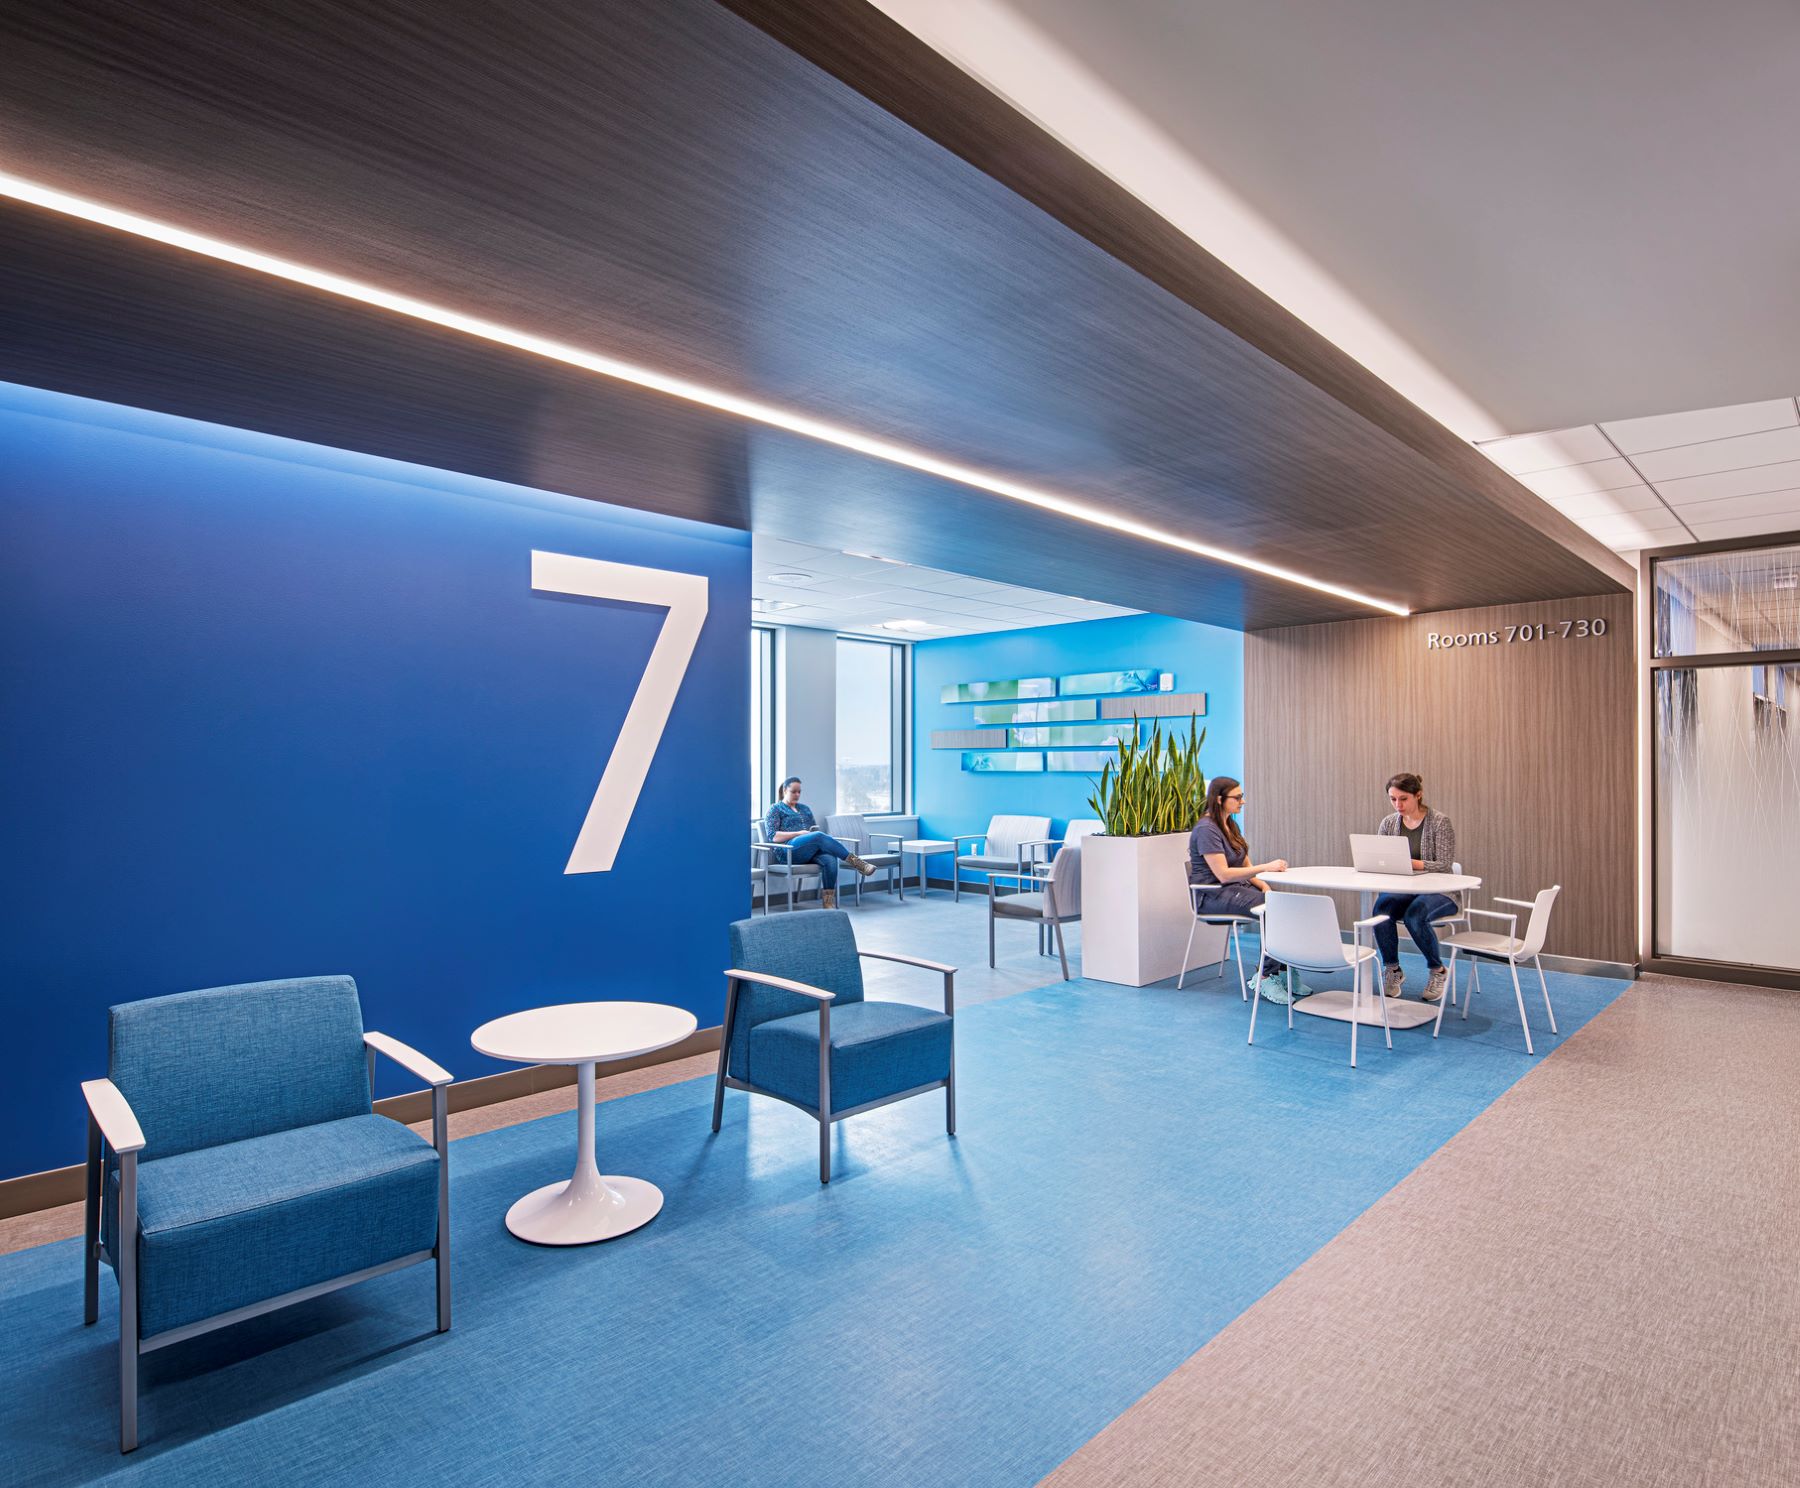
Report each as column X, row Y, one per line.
column 1668, row 479
column 865, row 594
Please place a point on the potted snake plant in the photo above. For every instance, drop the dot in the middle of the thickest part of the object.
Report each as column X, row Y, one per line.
column 1136, row 915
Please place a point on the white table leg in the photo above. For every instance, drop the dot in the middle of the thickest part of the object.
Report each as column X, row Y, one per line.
column 587, row 1207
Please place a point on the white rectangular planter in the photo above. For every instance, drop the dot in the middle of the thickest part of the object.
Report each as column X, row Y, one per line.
column 1135, row 911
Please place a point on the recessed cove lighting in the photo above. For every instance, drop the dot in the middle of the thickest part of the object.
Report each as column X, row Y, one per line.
column 34, row 194
column 788, row 578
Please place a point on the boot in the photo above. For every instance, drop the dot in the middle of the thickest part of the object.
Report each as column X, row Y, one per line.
column 828, row 898
column 859, row 865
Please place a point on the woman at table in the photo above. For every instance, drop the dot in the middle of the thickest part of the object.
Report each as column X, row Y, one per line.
column 1432, row 845
column 793, row 825
column 1221, row 877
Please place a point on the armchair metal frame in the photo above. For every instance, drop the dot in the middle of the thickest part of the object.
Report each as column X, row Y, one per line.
column 112, row 1124
column 1024, row 856
column 1044, row 877
column 788, row 869
column 1233, row 924
column 1352, row 958
column 823, row 1114
column 1515, row 950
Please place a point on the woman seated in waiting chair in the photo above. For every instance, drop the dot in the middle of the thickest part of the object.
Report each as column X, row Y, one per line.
column 1221, row 876
column 1432, row 841
column 793, row 825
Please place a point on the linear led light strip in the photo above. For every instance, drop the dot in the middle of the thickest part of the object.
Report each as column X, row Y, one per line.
column 20, row 189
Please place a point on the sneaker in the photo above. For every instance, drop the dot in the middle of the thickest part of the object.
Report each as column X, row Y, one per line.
column 859, row 865
column 1435, row 984
column 1393, row 981
column 1271, row 987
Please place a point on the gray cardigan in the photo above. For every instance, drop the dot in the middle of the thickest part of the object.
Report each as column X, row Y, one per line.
column 1437, row 842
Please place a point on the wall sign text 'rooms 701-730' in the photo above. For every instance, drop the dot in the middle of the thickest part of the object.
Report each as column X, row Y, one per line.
column 1543, row 630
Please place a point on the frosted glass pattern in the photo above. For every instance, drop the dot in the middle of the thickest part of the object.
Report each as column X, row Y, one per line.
column 1728, row 814
column 1722, row 602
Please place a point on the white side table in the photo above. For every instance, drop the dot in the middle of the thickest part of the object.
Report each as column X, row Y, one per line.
column 926, row 847
column 587, row 1207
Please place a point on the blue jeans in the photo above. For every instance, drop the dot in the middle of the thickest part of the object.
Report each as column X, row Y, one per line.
column 1417, row 911
column 1236, row 898
column 816, row 847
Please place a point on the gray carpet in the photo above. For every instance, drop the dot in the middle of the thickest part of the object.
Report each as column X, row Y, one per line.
column 1595, row 1283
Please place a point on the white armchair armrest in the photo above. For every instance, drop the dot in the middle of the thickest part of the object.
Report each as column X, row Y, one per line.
column 408, row 1058
column 968, row 837
column 763, row 979
column 1494, row 914
column 1521, row 903
column 1370, row 923
column 894, row 837
column 112, row 1113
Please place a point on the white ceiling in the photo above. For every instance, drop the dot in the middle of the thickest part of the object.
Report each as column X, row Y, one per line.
column 1521, row 215
column 825, row 589
column 1674, row 478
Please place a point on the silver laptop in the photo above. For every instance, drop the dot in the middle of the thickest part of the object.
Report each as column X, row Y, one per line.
column 1373, row 854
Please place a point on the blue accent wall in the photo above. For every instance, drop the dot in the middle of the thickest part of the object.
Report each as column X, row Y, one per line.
column 1204, row 658
column 271, row 709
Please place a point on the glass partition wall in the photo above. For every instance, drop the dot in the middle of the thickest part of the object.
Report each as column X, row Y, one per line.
column 1723, row 736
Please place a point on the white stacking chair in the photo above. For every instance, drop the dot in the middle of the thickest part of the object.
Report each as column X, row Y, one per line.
column 1301, row 931
column 1508, row 946
column 1233, row 924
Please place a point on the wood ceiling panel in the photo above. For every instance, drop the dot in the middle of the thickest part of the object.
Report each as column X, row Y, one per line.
column 671, row 185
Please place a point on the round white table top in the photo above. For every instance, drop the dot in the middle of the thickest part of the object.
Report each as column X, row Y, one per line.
column 583, row 1032
column 1371, row 883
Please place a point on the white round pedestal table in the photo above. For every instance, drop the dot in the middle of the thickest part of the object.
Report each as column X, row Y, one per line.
column 588, row 1206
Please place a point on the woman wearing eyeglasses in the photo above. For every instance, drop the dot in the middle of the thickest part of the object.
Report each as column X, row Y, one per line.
column 1221, row 877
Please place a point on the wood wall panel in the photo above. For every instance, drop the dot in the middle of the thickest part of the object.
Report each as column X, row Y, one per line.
column 1528, row 746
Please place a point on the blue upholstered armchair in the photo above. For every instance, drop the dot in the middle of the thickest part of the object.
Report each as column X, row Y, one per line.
column 798, row 1027
column 236, row 1165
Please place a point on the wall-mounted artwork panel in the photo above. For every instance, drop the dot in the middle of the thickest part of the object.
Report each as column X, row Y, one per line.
column 1064, row 735
column 1133, row 679
column 1079, row 761
column 1163, row 705
column 993, row 762
column 1078, row 711
column 1005, row 690
column 968, row 738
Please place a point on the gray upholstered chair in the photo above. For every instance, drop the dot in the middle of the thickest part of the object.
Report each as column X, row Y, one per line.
column 1003, row 847
column 851, row 830
column 777, row 870
column 798, row 1027
column 236, row 1163
column 1052, row 901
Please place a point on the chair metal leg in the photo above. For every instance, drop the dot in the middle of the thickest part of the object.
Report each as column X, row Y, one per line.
column 440, row 1137
column 125, row 1240
column 1237, row 947
column 950, row 1094
column 1288, row 977
column 1448, row 997
column 1061, row 954
column 1546, row 986
column 1520, row 995
column 990, row 935
column 824, row 1092
column 725, row 1030
column 1381, row 997
column 1253, row 1002
column 1473, row 987
column 1356, row 982
column 1187, row 955
column 90, row 1256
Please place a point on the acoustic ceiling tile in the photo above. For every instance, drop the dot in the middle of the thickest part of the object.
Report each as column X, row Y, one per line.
column 1581, row 480
column 1665, row 431
column 1751, row 482
column 1523, row 454
column 1743, row 452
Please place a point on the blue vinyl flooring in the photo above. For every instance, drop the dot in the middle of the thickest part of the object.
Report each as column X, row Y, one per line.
column 1128, row 1179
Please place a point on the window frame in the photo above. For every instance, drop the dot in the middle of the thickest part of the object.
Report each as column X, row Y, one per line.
column 900, row 773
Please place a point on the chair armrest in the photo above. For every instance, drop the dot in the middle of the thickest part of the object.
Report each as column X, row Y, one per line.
column 1494, row 914
column 894, row 837
column 1521, row 903
column 968, row 837
column 947, row 972
column 1041, row 842
column 408, row 1058
column 770, row 847
column 1370, row 923
column 763, row 979
column 919, row 961
column 112, row 1113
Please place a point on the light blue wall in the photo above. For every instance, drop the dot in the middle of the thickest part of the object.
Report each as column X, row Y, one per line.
column 1204, row 658
column 271, row 709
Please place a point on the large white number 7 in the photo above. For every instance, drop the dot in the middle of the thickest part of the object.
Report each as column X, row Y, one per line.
column 685, row 596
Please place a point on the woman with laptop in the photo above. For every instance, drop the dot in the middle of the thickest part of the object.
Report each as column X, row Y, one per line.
column 1431, row 843
column 1221, row 877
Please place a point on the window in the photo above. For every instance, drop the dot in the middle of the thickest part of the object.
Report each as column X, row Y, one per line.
column 871, row 726
column 762, row 718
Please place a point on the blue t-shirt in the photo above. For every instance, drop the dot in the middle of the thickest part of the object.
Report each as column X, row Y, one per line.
column 785, row 818
column 1207, row 838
